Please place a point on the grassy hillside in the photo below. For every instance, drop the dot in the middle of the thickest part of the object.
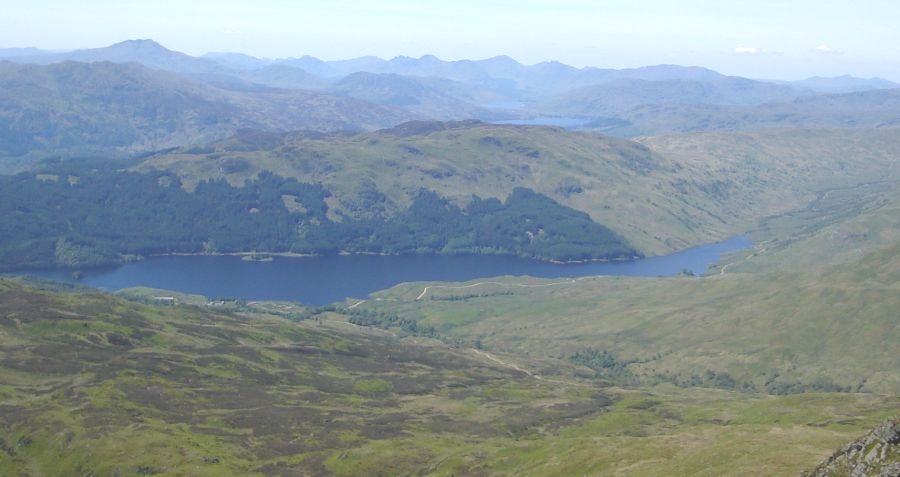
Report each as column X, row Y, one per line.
column 660, row 194
column 839, row 227
column 93, row 384
column 801, row 321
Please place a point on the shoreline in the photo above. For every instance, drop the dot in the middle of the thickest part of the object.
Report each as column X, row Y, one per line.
column 345, row 253
column 261, row 257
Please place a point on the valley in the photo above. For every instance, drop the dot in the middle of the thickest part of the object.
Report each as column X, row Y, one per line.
column 415, row 266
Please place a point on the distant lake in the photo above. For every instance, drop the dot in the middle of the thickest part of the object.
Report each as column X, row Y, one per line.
column 561, row 122
column 327, row 279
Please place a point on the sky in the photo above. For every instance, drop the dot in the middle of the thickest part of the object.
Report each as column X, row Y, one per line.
column 784, row 39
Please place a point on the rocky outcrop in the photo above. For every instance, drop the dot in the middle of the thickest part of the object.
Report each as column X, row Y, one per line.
column 875, row 455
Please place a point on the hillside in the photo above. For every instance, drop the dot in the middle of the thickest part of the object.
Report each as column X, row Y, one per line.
column 77, row 216
column 87, row 108
column 877, row 454
column 96, row 384
column 140, row 390
column 784, row 328
column 661, row 194
column 432, row 187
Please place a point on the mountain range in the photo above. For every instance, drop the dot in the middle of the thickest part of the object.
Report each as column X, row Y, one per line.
column 501, row 69
column 94, row 101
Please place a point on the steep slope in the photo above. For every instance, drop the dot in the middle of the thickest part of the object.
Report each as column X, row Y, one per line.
column 663, row 194
column 87, row 216
column 877, row 454
column 104, row 106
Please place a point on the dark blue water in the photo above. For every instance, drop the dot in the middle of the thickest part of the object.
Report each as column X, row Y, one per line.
column 322, row 280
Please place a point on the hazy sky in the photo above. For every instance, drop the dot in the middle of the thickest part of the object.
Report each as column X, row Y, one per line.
column 755, row 38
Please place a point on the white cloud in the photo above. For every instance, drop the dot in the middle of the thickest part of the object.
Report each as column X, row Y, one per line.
column 746, row 50
column 825, row 49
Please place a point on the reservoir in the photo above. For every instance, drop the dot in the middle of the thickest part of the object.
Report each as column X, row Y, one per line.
column 327, row 279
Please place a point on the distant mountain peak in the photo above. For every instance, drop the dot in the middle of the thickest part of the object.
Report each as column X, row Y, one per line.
column 139, row 44
column 556, row 66
column 671, row 67
column 408, row 61
column 501, row 60
column 843, row 77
